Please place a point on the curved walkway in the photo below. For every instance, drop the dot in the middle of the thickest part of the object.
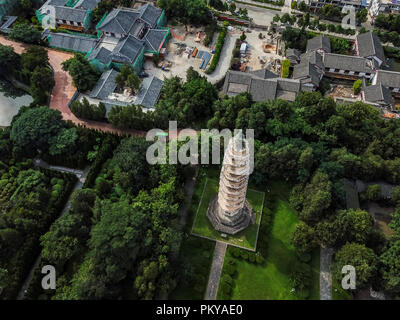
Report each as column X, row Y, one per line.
column 81, row 175
column 64, row 90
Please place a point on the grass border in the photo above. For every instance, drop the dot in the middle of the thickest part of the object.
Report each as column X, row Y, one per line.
column 254, row 249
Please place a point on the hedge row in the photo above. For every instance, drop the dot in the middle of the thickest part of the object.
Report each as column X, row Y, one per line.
column 105, row 151
column 218, row 50
column 22, row 262
column 285, row 68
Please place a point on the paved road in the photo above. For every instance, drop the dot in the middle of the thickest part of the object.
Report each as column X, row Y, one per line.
column 224, row 60
column 81, row 175
column 216, row 270
column 325, row 280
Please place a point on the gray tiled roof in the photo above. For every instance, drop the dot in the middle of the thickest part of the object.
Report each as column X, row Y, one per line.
column 72, row 42
column 293, row 53
column 8, row 21
column 154, row 38
column 378, row 93
column 390, row 79
column 149, row 92
column 119, row 21
column 124, row 21
column 288, row 85
column 369, row 45
column 101, row 54
column 261, row 89
column 87, row 4
column 150, row 14
column 320, row 42
column 264, row 73
column 306, row 70
column 314, row 58
column 59, row 3
column 127, row 50
column 351, row 63
column 105, row 86
column 70, row 14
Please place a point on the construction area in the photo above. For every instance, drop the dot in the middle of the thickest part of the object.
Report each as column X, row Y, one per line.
column 257, row 51
column 184, row 50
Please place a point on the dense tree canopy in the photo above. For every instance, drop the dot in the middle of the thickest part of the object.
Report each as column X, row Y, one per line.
column 82, row 72
column 9, row 60
column 361, row 258
column 25, row 33
column 42, row 128
column 188, row 11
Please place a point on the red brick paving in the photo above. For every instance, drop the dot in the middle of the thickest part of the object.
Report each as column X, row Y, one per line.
column 64, row 89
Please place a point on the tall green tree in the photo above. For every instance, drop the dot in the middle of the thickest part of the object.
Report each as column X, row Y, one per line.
column 83, row 74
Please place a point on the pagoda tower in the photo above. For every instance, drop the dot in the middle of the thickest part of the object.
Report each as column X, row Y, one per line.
column 229, row 212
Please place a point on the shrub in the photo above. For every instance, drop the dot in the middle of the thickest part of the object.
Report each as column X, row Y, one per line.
column 244, row 255
column 259, row 259
column 304, row 257
column 218, row 50
column 235, row 252
column 372, row 193
column 226, row 291
column 230, row 269
column 226, row 288
column 357, row 86
column 252, row 257
column 285, row 68
column 301, row 276
column 227, row 279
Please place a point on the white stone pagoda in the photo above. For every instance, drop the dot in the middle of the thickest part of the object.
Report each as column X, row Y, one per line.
column 230, row 212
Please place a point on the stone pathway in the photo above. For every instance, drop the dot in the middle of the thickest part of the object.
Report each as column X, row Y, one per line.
column 189, row 190
column 325, row 279
column 81, row 175
column 216, row 270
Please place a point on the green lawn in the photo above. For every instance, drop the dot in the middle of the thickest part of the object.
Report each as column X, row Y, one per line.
column 203, row 227
column 198, row 253
column 195, row 251
column 338, row 293
column 271, row 280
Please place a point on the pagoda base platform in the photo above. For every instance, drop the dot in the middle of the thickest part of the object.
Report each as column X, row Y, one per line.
column 230, row 224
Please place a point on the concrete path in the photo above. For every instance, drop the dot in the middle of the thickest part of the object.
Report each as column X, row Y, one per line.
column 325, row 280
column 215, row 272
column 224, row 60
column 81, row 175
column 189, row 190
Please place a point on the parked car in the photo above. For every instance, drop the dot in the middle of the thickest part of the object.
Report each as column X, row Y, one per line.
column 143, row 74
